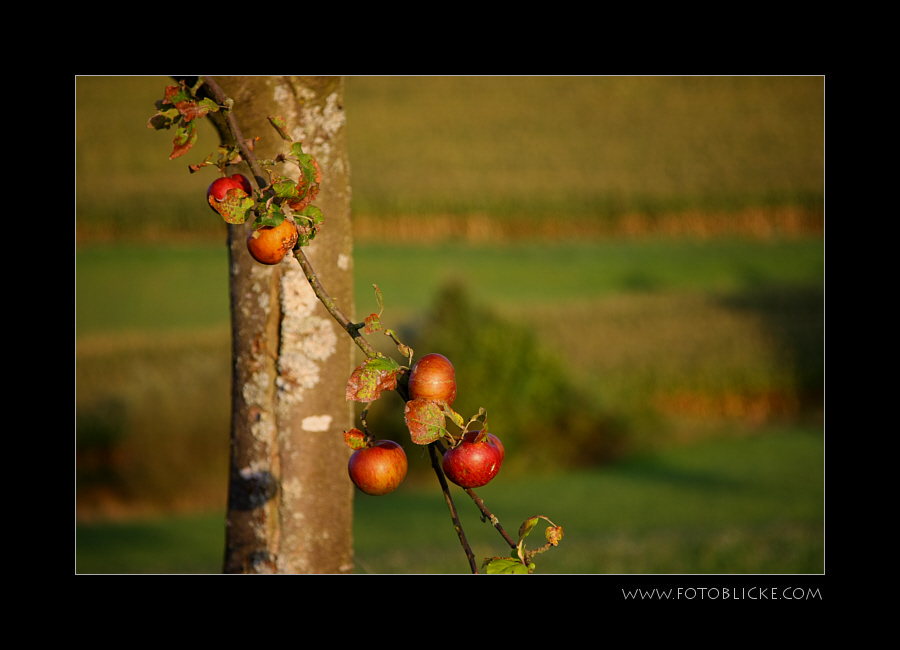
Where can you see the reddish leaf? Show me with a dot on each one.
(185, 137)
(554, 534)
(192, 110)
(355, 439)
(425, 421)
(176, 93)
(280, 125)
(370, 378)
(373, 323)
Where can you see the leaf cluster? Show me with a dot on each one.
(522, 562)
(426, 420)
(181, 108)
(283, 197)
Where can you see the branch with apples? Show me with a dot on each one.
(285, 221)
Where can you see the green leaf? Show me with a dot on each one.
(378, 298)
(272, 217)
(454, 416)
(164, 119)
(312, 213)
(307, 164)
(506, 565)
(209, 106)
(527, 526)
(285, 188)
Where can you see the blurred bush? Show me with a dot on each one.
(152, 417)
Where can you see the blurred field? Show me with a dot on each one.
(484, 157)
(583, 149)
(655, 244)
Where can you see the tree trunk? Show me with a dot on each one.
(290, 502)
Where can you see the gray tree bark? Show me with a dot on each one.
(290, 500)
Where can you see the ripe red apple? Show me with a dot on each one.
(269, 245)
(475, 461)
(379, 469)
(219, 188)
(433, 378)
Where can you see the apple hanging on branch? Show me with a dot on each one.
(376, 467)
(475, 460)
(219, 188)
(433, 378)
(270, 244)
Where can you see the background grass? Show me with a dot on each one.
(658, 239)
(745, 505)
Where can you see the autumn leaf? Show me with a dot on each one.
(355, 439)
(280, 125)
(234, 206)
(372, 377)
(425, 421)
(373, 323)
(553, 534)
(185, 137)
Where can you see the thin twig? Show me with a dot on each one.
(490, 517)
(239, 141)
(487, 514)
(436, 464)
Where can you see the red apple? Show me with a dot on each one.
(218, 189)
(433, 378)
(378, 469)
(475, 461)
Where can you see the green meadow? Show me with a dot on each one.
(627, 272)
(752, 505)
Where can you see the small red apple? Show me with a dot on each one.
(475, 461)
(218, 189)
(433, 378)
(378, 469)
